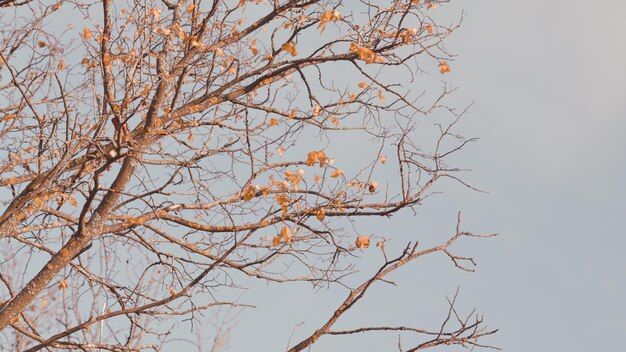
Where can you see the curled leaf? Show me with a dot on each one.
(285, 233)
(362, 242)
(87, 34)
(290, 47)
(336, 173)
(320, 214)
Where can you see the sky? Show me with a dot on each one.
(547, 80)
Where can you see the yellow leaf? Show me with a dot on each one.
(362, 242)
(336, 173)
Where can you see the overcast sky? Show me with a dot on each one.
(548, 79)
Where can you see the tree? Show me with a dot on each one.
(154, 152)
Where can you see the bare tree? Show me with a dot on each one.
(154, 152)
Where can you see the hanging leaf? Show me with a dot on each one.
(444, 68)
(285, 233)
(72, 200)
(290, 47)
(336, 173)
(320, 214)
(248, 193)
(87, 34)
(362, 242)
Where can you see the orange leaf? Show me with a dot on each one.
(290, 47)
(444, 68)
(248, 193)
(273, 122)
(320, 214)
(285, 233)
(362, 242)
(336, 173)
(62, 284)
(87, 33)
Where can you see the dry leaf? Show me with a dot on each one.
(290, 47)
(362, 242)
(285, 233)
(87, 34)
(336, 173)
(320, 214)
(72, 200)
(444, 68)
(248, 193)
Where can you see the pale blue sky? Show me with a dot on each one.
(549, 84)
